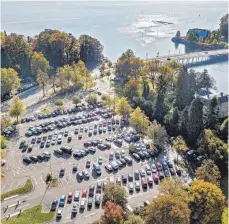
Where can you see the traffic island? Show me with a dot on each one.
(22, 190)
(34, 215)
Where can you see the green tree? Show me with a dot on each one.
(39, 62)
(158, 134)
(90, 49)
(91, 99)
(160, 107)
(123, 108)
(17, 108)
(183, 122)
(224, 129)
(212, 117)
(42, 79)
(223, 26)
(192, 37)
(9, 81)
(179, 145)
(112, 214)
(145, 92)
(166, 210)
(204, 80)
(213, 148)
(62, 77)
(132, 148)
(134, 219)
(183, 90)
(108, 100)
(116, 194)
(76, 100)
(15, 53)
(174, 187)
(206, 202)
(3, 142)
(195, 123)
(5, 122)
(59, 102)
(209, 172)
(172, 121)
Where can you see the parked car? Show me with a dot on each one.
(70, 196)
(74, 207)
(54, 205)
(97, 199)
(159, 166)
(62, 201)
(155, 177)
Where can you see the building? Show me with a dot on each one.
(200, 32)
(207, 95)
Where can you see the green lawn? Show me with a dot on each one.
(32, 216)
(22, 190)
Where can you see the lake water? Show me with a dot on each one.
(120, 25)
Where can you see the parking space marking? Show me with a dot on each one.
(35, 180)
(41, 177)
(18, 184)
(11, 185)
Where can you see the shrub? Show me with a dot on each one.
(3, 142)
(91, 99)
(76, 100)
(59, 102)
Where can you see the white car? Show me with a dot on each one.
(131, 186)
(75, 205)
(82, 204)
(59, 213)
(154, 168)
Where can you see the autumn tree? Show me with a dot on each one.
(116, 194)
(131, 89)
(112, 214)
(166, 210)
(9, 81)
(224, 130)
(152, 69)
(108, 100)
(39, 62)
(3, 142)
(5, 121)
(62, 80)
(174, 187)
(158, 134)
(213, 148)
(42, 79)
(209, 172)
(123, 108)
(139, 120)
(179, 145)
(17, 108)
(91, 99)
(206, 202)
(76, 100)
(204, 80)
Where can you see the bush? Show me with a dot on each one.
(132, 148)
(76, 100)
(48, 178)
(3, 142)
(91, 99)
(59, 102)
(22, 190)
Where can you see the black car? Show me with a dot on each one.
(99, 187)
(161, 175)
(172, 171)
(27, 160)
(118, 142)
(141, 154)
(124, 179)
(42, 145)
(90, 202)
(41, 157)
(34, 158)
(54, 205)
(22, 143)
(136, 156)
(178, 171)
(91, 190)
(170, 165)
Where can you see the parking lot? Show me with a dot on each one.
(81, 142)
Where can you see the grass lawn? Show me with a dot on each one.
(22, 190)
(32, 216)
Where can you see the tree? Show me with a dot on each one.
(192, 37)
(209, 172)
(213, 148)
(223, 26)
(175, 188)
(212, 117)
(61, 74)
(224, 129)
(183, 122)
(160, 107)
(42, 79)
(91, 99)
(59, 102)
(145, 92)
(76, 100)
(206, 202)
(90, 49)
(134, 219)
(123, 107)
(112, 214)
(172, 121)
(102, 68)
(17, 108)
(132, 148)
(158, 134)
(39, 62)
(179, 145)
(195, 123)
(166, 210)
(183, 90)
(116, 194)
(15, 53)
(138, 119)
(131, 89)
(5, 122)
(9, 81)
(3, 142)
(204, 80)
(108, 100)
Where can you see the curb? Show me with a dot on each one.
(11, 197)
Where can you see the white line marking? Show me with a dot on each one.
(11, 186)
(23, 206)
(35, 180)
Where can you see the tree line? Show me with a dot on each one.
(57, 48)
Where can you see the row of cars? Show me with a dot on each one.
(79, 200)
(45, 156)
(9, 131)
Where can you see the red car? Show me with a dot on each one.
(155, 177)
(84, 193)
(144, 182)
(159, 166)
(69, 197)
(87, 144)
